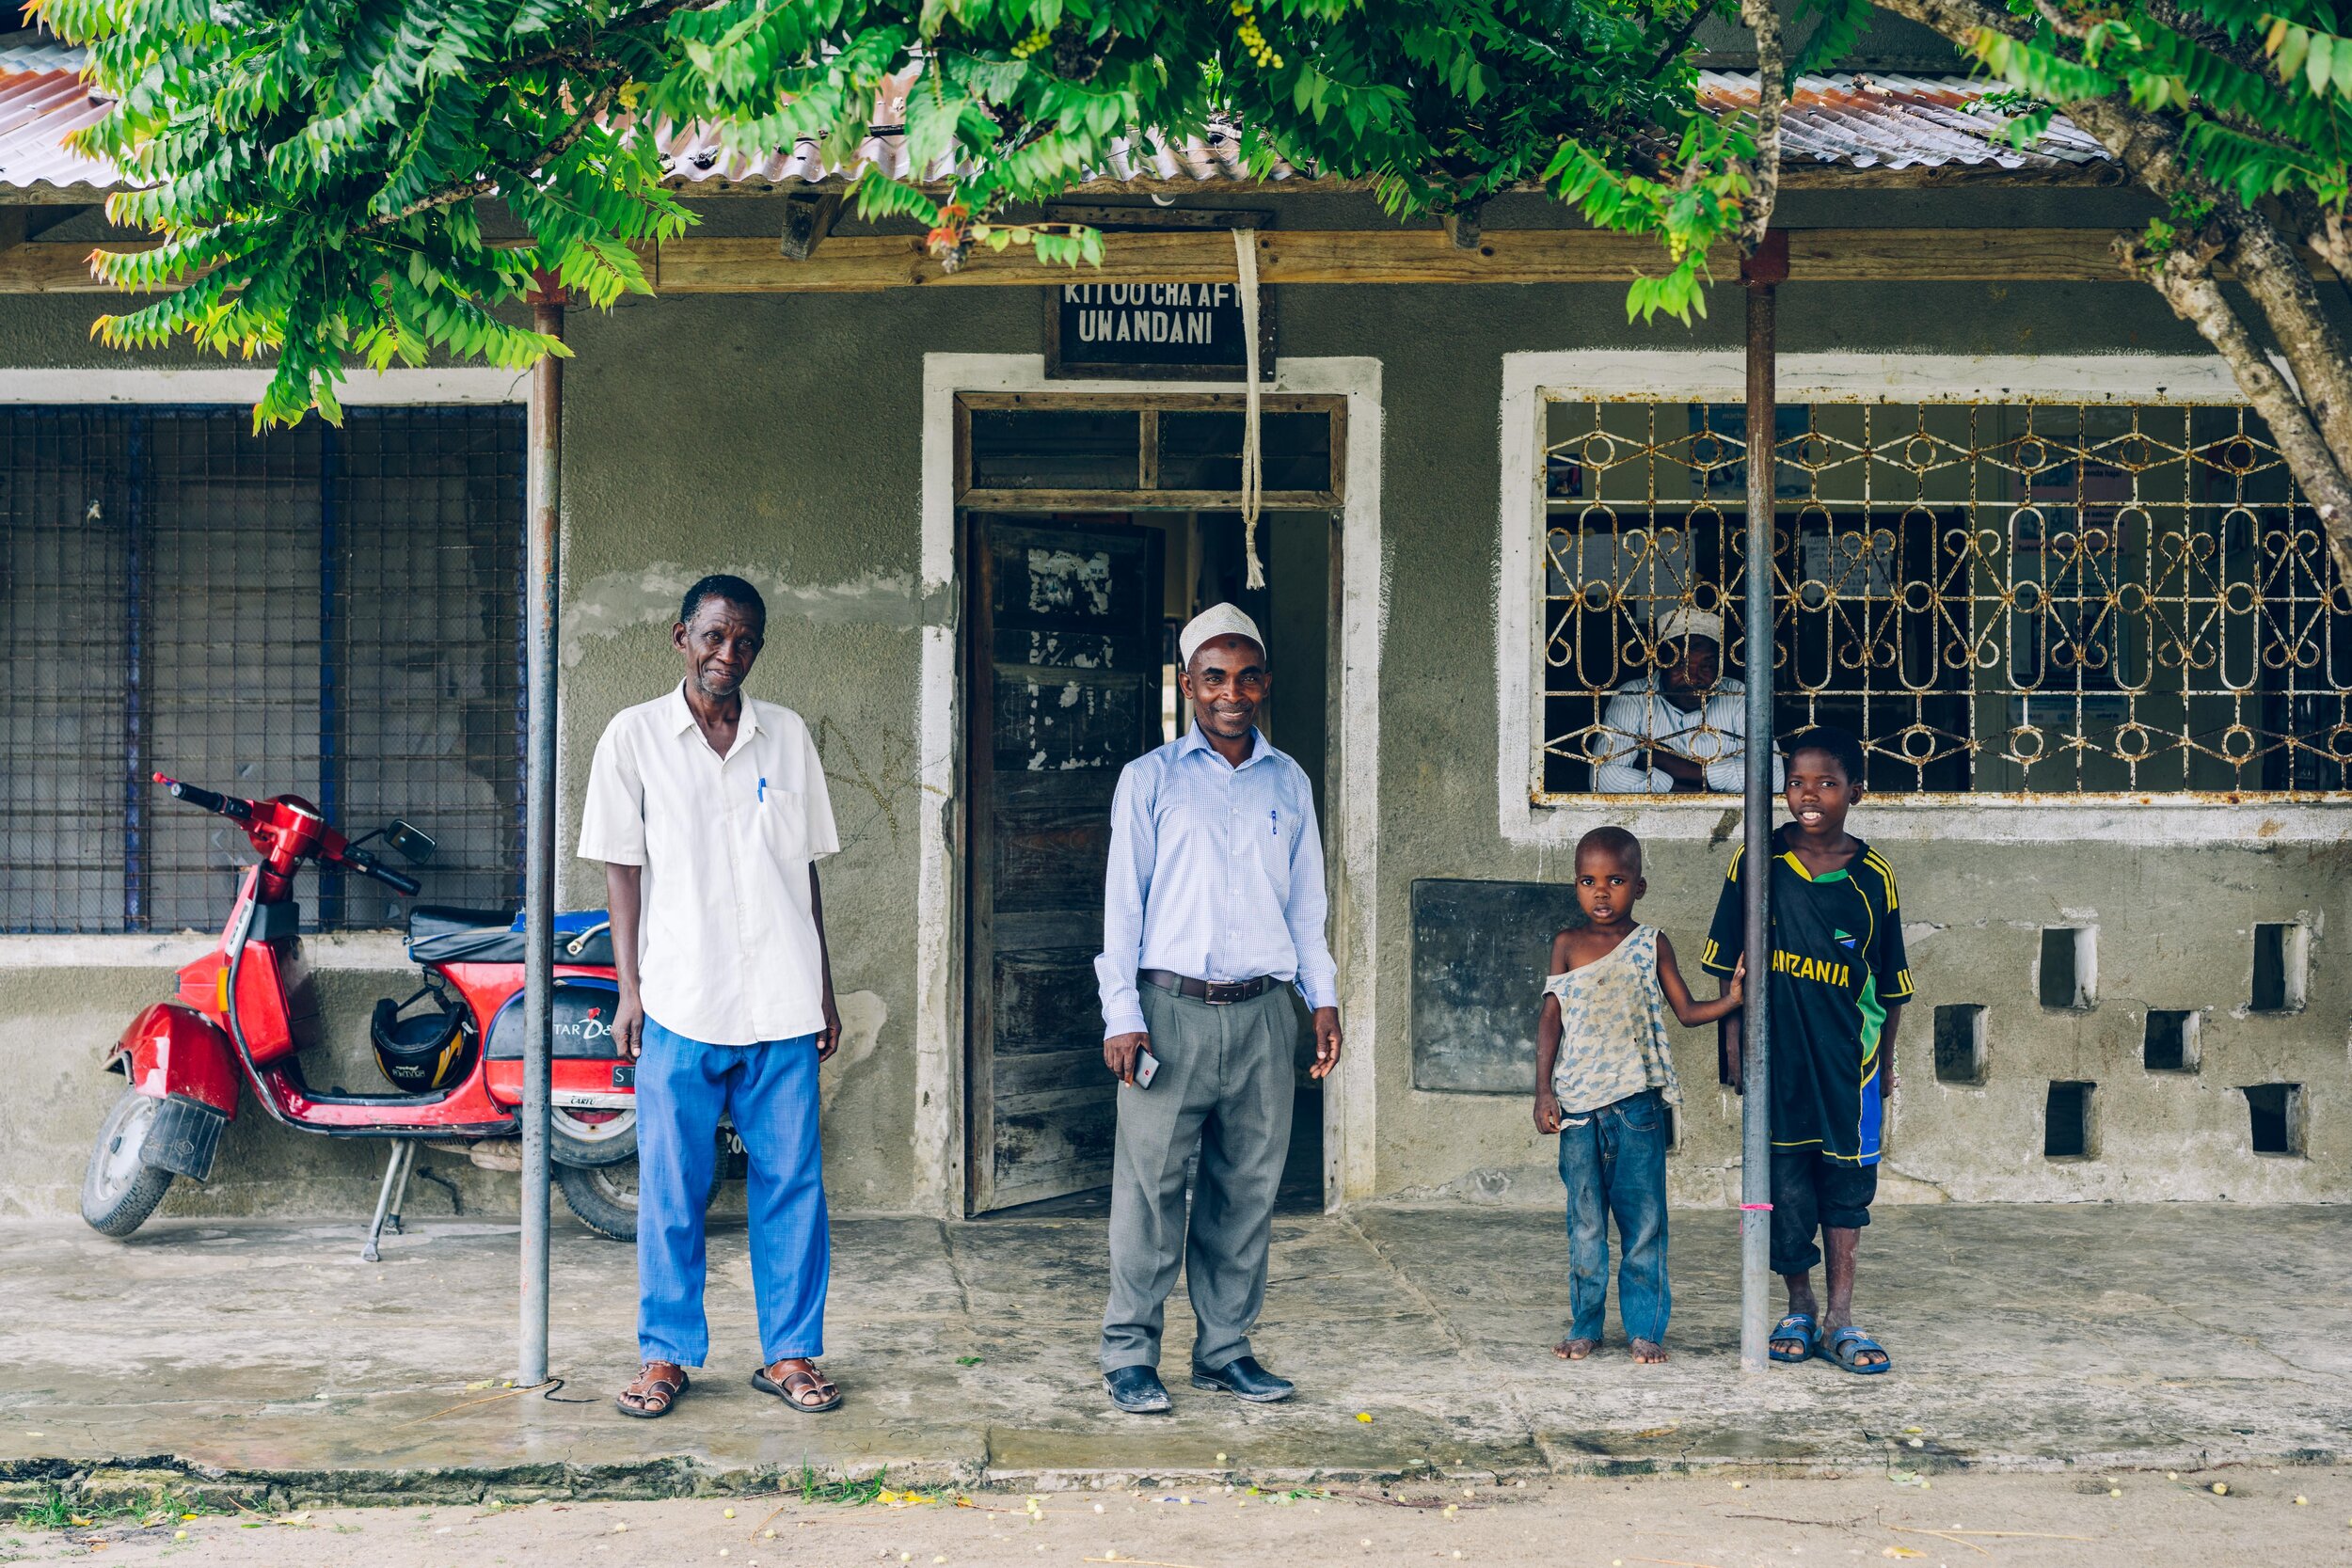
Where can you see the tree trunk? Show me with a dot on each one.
(1763, 18)
(2187, 282)
(2309, 408)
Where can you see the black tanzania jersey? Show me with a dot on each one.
(1837, 965)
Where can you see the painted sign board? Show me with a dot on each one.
(1155, 332)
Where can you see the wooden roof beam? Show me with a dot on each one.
(853, 263)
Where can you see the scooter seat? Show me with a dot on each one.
(439, 934)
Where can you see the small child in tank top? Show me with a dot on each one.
(1604, 1080)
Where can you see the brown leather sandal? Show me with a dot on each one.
(802, 1381)
(657, 1386)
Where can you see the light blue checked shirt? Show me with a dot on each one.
(1216, 872)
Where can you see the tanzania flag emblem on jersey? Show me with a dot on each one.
(1843, 940)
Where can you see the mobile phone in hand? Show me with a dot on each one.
(1147, 1067)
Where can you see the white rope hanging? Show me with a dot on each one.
(1252, 458)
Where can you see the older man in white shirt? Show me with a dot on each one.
(1681, 727)
(709, 811)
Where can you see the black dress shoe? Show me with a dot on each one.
(1243, 1379)
(1137, 1390)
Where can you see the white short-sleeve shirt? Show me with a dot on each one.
(728, 951)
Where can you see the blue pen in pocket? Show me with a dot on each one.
(763, 792)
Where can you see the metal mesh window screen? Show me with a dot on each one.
(318, 612)
(1996, 598)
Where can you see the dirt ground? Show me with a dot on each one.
(2296, 1515)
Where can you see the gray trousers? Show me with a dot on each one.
(1223, 1086)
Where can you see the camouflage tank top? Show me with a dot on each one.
(1612, 1029)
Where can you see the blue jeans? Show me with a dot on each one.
(1613, 1162)
(770, 1090)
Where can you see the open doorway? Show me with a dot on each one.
(1076, 585)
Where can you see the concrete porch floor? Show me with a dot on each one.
(265, 1354)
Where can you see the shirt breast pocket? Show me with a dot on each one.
(782, 818)
(1276, 831)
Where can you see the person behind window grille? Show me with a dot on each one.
(1680, 727)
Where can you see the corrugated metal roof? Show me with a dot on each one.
(1854, 121)
(42, 101)
(1857, 122)
(1867, 121)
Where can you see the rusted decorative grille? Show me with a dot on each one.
(1996, 598)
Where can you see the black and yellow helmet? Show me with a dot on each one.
(427, 1050)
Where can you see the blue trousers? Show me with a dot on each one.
(1613, 1162)
(770, 1091)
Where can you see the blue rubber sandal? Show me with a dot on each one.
(1796, 1325)
(1848, 1343)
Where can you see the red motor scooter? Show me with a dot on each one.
(246, 1012)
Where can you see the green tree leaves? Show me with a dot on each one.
(313, 167)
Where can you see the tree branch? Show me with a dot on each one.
(582, 56)
(1959, 20)
(2205, 36)
(2184, 278)
(2311, 419)
(2059, 21)
(1679, 42)
(2265, 264)
(484, 184)
(1772, 71)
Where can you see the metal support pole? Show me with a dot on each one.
(543, 473)
(1761, 273)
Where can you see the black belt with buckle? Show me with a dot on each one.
(1217, 994)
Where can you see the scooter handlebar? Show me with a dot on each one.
(242, 811)
(368, 865)
(205, 800)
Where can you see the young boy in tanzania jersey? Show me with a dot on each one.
(1838, 978)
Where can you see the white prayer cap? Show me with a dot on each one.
(1682, 621)
(1218, 620)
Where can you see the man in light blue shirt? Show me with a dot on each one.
(1214, 902)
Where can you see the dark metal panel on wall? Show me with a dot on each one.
(1480, 954)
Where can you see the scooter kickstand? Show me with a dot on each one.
(397, 1166)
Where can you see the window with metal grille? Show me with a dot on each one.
(2028, 598)
(323, 613)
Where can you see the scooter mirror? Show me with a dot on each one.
(415, 845)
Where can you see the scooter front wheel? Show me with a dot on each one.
(604, 1197)
(119, 1189)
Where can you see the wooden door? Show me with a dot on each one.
(1062, 637)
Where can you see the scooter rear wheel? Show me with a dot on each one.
(591, 1137)
(118, 1191)
(604, 1197)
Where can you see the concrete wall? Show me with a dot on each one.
(780, 437)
